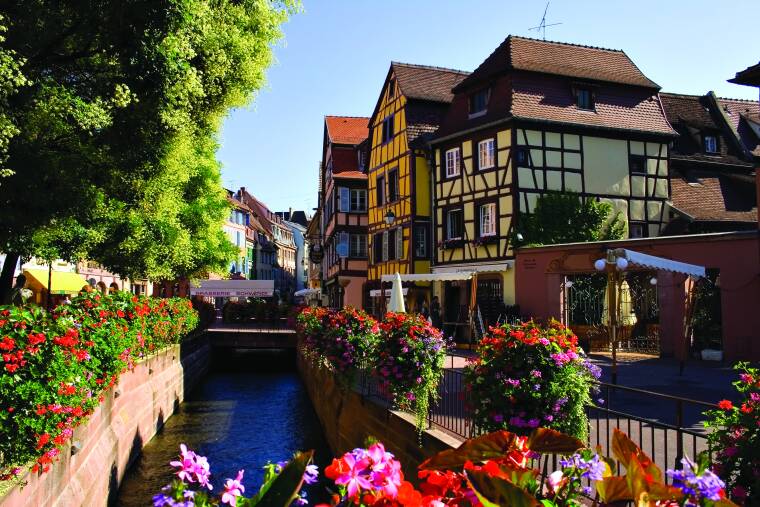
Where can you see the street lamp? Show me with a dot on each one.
(612, 264)
(390, 217)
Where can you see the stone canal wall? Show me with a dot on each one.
(131, 413)
(347, 419)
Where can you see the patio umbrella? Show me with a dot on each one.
(396, 303)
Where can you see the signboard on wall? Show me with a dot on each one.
(233, 288)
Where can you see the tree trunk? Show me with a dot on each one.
(6, 276)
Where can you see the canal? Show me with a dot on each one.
(252, 408)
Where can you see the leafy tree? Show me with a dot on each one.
(108, 121)
(564, 217)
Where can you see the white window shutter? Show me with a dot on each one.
(385, 245)
(400, 243)
(344, 199)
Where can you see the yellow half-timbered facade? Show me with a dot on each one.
(412, 102)
(535, 117)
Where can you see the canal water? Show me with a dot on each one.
(252, 408)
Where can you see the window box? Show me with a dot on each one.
(450, 243)
(484, 240)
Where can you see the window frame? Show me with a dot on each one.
(714, 137)
(424, 243)
(492, 142)
(494, 219)
(362, 194)
(643, 171)
(393, 184)
(523, 151)
(388, 129)
(637, 223)
(582, 91)
(456, 150)
(449, 212)
(380, 190)
(360, 241)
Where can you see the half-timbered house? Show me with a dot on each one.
(343, 210)
(539, 116)
(412, 103)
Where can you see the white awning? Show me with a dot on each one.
(307, 292)
(660, 263)
(493, 267)
(233, 288)
(375, 293)
(430, 277)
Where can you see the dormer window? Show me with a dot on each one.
(584, 99)
(479, 102)
(710, 144)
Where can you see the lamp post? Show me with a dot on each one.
(613, 265)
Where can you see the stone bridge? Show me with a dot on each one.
(251, 336)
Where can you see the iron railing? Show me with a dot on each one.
(664, 426)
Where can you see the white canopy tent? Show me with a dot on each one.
(660, 263)
(307, 292)
(233, 288)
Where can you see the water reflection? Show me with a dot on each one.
(252, 409)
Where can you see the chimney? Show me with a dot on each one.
(290, 213)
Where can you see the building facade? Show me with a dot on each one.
(343, 210)
(236, 228)
(413, 101)
(537, 117)
(301, 264)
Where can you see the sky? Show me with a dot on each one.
(336, 53)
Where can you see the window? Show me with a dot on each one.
(420, 241)
(452, 162)
(521, 156)
(636, 230)
(385, 246)
(479, 102)
(343, 199)
(387, 129)
(584, 99)
(377, 247)
(400, 243)
(637, 164)
(488, 219)
(380, 189)
(391, 88)
(393, 185)
(392, 250)
(358, 200)
(358, 245)
(486, 154)
(454, 224)
(711, 144)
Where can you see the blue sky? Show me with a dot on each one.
(336, 53)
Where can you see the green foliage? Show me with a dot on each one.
(734, 436)
(108, 121)
(526, 376)
(55, 366)
(564, 217)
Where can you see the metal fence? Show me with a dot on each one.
(665, 427)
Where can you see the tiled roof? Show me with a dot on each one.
(738, 112)
(715, 198)
(423, 119)
(350, 175)
(548, 98)
(423, 82)
(559, 58)
(347, 129)
(693, 116)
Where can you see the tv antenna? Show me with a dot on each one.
(541, 28)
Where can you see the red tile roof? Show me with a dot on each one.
(739, 114)
(563, 59)
(713, 199)
(352, 175)
(424, 82)
(548, 98)
(347, 129)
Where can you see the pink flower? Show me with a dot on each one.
(192, 467)
(353, 478)
(554, 481)
(233, 488)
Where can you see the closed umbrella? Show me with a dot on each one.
(396, 303)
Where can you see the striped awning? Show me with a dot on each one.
(660, 263)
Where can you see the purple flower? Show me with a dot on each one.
(311, 474)
(233, 488)
(706, 485)
(592, 469)
(498, 418)
(513, 382)
(533, 423)
(543, 341)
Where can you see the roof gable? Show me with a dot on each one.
(347, 129)
(562, 59)
(424, 82)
